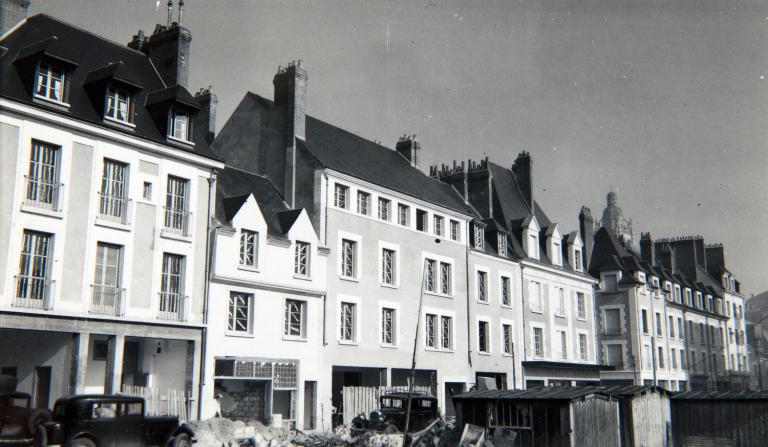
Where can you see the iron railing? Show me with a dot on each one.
(114, 209)
(172, 306)
(33, 292)
(42, 194)
(107, 300)
(176, 221)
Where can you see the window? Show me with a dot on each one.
(421, 220)
(445, 278)
(691, 333)
(673, 358)
(557, 254)
(107, 293)
(454, 230)
(583, 347)
(348, 258)
(682, 359)
(249, 244)
(680, 328)
(671, 328)
(438, 224)
(506, 330)
(482, 286)
(388, 266)
(505, 285)
(43, 177)
(430, 332)
(295, 318)
(611, 283)
(301, 258)
(560, 302)
(100, 350)
(615, 355)
(702, 334)
(172, 301)
(535, 296)
(113, 200)
(446, 332)
(429, 275)
(533, 246)
(613, 321)
(176, 215)
(483, 337)
(32, 283)
(146, 191)
(501, 244)
(563, 345)
(384, 209)
(118, 104)
(50, 82)
(363, 203)
(538, 342)
(577, 260)
(348, 323)
(179, 125)
(430, 278)
(644, 320)
(341, 193)
(660, 356)
(388, 326)
(658, 324)
(581, 306)
(403, 215)
(478, 239)
(239, 315)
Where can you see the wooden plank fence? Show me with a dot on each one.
(364, 399)
(159, 402)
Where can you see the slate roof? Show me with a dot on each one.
(720, 395)
(92, 57)
(233, 189)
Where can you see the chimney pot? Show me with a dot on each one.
(410, 149)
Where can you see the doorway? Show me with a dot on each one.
(42, 386)
(310, 397)
(452, 389)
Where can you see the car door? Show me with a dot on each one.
(129, 427)
(101, 423)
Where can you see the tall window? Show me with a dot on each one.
(171, 287)
(239, 315)
(388, 326)
(176, 216)
(506, 330)
(479, 236)
(446, 332)
(43, 178)
(301, 258)
(563, 345)
(437, 281)
(107, 293)
(363, 203)
(403, 215)
(533, 242)
(671, 328)
(249, 248)
(535, 296)
(32, 283)
(691, 332)
(445, 278)
(113, 203)
(658, 324)
(501, 244)
(505, 292)
(581, 306)
(557, 254)
(538, 342)
(673, 358)
(384, 209)
(50, 82)
(431, 330)
(348, 258)
(680, 333)
(660, 356)
(615, 355)
(577, 260)
(482, 286)
(644, 320)
(583, 347)
(295, 318)
(179, 128)
(388, 266)
(454, 230)
(341, 196)
(438, 222)
(118, 104)
(560, 301)
(429, 275)
(421, 220)
(483, 336)
(348, 323)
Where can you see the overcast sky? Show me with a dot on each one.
(665, 101)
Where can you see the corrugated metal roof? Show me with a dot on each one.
(721, 395)
(559, 393)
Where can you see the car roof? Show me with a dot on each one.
(100, 398)
(404, 395)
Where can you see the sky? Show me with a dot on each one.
(663, 101)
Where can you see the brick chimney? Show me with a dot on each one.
(206, 118)
(587, 233)
(168, 49)
(291, 91)
(11, 13)
(715, 256)
(523, 169)
(647, 249)
(409, 148)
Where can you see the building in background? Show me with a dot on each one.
(106, 183)
(756, 315)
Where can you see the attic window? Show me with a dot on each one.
(179, 125)
(479, 237)
(557, 254)
(421, 220)
(502, 244)
(118, 105)
(533, 246)
(50, 82)
(577, 260)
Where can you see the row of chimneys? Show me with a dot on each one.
(682, 253)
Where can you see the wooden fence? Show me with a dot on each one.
(161, 402)
(364, 399)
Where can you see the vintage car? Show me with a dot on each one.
(390, 417)
(20, 424)
(113, 421)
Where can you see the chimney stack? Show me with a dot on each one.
(409, 148)
(523, 169)
(647, 249)
(206, 118)
(168, 49)
(11, 13)
(291, 91)
(587, 233)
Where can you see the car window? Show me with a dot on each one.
(59, 410)
(131, 409)
(389, 402)
(426, 404)
(18, 402)
(104, 410)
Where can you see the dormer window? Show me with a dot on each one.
(577, 260)
(557, 254)
(479, 236)
(502, 244)
(50, 82)
(533, 246)
(179, 126)
(699, 300)
(118, 105)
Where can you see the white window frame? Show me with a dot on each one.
(505, 278)
(245, 251)
(403, 215)
(439, 329)
(395, 274)
(117, 101)
(303, 319)
(542, 342)
(342, 271)
(482, 285)
(53, 79)
(480, 321)
(341, 196)
(583, 353)
(455, 230)
(440, 287)
(507, 341)
(385, 209)
(540, 296)
(356, 301)
(581, 316)
(438, 224)
(561, 309)
(181, 132)
(364, 203)
(395, 324)
(305, 249)
(562, 338)
(232, 317)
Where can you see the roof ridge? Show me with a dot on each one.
(264, 177)
(90, 33)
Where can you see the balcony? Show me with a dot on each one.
(612, 331)
(33, 292)
(114, 209)
(172, 307)
(176, 222)
(107, 300)
(42, 194)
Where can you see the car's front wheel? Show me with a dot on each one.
(180, 440)
(81, 442)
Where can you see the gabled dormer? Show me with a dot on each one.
(554, 245)
(246, 220)
(575, 251)
(530, 237)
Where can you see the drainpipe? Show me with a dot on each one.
(522, 316)
(469, 324)
(206, 292)
(654, 331)
(688, 364)
(324, 210)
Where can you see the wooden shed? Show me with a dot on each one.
(644, 412)
(729, 418)
(556, 416)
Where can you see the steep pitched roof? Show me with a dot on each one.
(233, 189)
(90, 57)
(509, 199)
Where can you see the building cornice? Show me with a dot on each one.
(228, 280)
